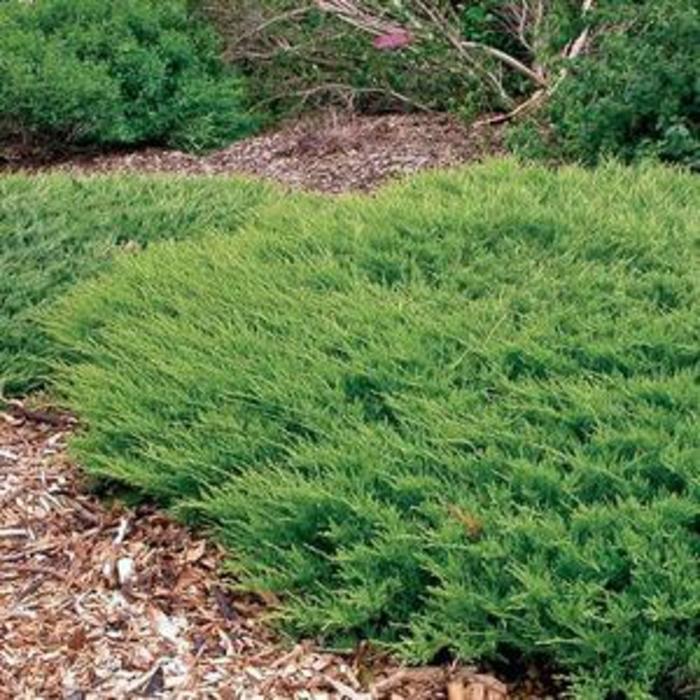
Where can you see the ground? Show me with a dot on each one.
(329, 152)
(98, 600)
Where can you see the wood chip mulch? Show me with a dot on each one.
(330, 152)
(104, 601)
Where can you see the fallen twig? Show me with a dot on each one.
(19, 410)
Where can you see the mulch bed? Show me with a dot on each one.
(329, 152)
(105, 601)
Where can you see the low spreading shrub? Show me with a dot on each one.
(56, 229)
(108, 72)
(458, 417)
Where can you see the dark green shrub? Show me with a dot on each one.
(56, 229)
(459, 416)
(636, 95)
(110, 72)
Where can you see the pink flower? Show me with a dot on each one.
(396, 39)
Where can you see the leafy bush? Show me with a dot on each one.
(111, 72)
(637, 94)
(428, 418)
(57, 229)
(632, 77)
(299, 56)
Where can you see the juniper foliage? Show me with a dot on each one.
(460, 416)
(57, 229)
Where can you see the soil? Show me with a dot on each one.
(330, 152)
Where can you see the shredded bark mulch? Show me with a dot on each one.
(106, 601)
(330, 152)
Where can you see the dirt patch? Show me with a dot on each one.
(329, 152)
(101, 601)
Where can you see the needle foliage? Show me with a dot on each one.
(458, 417)
(57, 229)
(105, 73)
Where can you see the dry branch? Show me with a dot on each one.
(370, 19)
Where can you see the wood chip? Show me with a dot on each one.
(331, 152)
(123, 602)
(455, 690)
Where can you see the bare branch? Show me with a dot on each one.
(347, 92)
(576, 47)
(366, 21)
(509, 60)
(525, 107)
(284, 17)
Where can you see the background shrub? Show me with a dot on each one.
(428, 418)
(636, 94)
(110, 72)
(56, 229)
(299, 57)
(632, 91)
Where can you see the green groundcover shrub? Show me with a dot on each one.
(57, 229)
(114, 72)
(458, 417)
